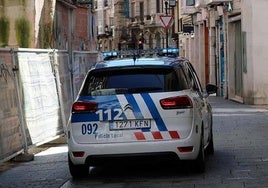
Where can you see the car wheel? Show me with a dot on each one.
(78, 171)
(199, 163)
(210, 147)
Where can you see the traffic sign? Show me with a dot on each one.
(166, 20)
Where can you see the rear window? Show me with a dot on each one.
(135, 80)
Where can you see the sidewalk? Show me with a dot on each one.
(219, 102)
(50, 167)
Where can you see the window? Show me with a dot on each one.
(95, 5)
(135, 80)
(141, 11)
(190, 2)
(132, 10)
(158, 40)
(193, 78)
(147, 8)
(157, 6)
(127, 9)
(105, 3)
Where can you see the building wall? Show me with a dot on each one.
(46, 24)
(75, 27)
(255, 36)
(63, 26)
(45, 11)
(31, 25)
(237, 36)
(81, 17)
(13, 11)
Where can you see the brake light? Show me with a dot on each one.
(78, 153)
(84, 106)
(178, 102)
(185, 149)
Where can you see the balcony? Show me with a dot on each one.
(87, 2)
(155, 20)
(216, 2)
(147, 19)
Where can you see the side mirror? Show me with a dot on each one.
(210, 88)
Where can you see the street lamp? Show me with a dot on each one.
(166, 7)
(171, 3)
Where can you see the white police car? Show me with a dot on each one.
(149, 107)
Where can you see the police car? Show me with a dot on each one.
(133, 107)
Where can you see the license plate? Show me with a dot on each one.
(130, 124)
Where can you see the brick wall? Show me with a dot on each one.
(81, 28)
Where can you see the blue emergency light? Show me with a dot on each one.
(125, 53)
(170, 50)
(110, 54)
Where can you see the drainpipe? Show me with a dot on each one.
(226, 72)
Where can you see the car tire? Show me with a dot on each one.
(78, 171)
(200, 163)
(210, 147)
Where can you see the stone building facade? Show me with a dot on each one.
(224, 39)
(228, 46)
(123, 24)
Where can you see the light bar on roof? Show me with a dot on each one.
(170, 50)
(110, 54)
(161, 51)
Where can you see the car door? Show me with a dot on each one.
(202, 104)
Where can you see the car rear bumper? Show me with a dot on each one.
(95, 154)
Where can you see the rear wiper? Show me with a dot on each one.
(121, 90)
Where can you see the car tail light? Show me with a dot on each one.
(185, 149)
(84, 106)
(178, 102)
(78, 153)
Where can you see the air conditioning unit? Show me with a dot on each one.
(216, 2)
(187, 7)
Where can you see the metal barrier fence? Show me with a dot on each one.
(37, 90)
(81, 63)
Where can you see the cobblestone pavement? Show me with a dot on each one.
(240, 159)
(48, 169)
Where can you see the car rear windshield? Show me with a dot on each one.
(134, 80)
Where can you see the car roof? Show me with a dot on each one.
(142, 61)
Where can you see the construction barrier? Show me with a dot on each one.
(11, 143)
(38, 89)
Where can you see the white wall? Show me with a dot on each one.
(254, 25)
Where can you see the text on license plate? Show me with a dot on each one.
(130, 124)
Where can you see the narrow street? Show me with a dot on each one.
(240, 160)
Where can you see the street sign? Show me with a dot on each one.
(166, 20)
